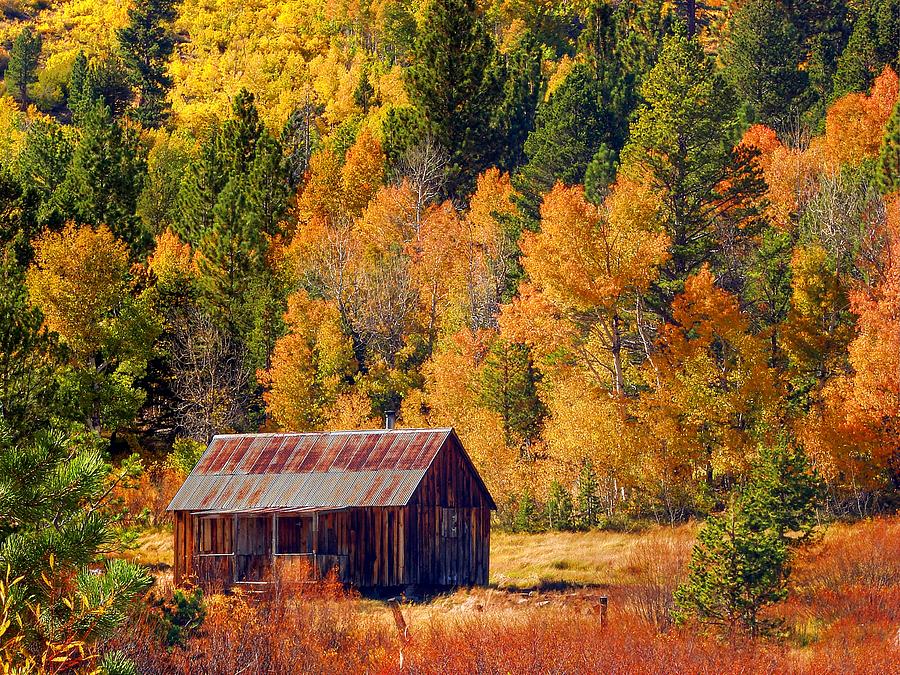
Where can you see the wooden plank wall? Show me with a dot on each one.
(442, 538)
(451, 544)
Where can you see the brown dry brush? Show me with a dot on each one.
(842, 617)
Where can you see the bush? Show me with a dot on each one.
(186, 452)
(181, 616)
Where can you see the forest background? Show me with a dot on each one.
(618, 245)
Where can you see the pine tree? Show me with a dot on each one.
(873, 44)
(27, 357)
(559, 507)
(509, 387)
(761, 57)
(453, 84)
(106, 176)
(235, 195)
(520, 75)
(741, 562)
(585, 121)
(682, 146)
(101, 81)
(23, 62)
(55, 520)
(588, 497)
(569, 130)
(889, 157)
(146, 44)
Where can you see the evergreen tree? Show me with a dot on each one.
(682, 144)
(453, 84)
(559, 507)
(233, 254)
(526, 513)
(521, 78)
(585, 121)
(741, 562)
(23, 62)
(761, 56)
(146, 43)
(824, 30)
(588, 497)
(18, 216)
(27, 357)
(364, 92)
(889, 157)
(569, 130)
(102, 81)
(108, 168)
(509, 388)
(55, 520)
(873, 44)
(234, 196)
(43, 165)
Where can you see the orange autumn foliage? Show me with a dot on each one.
(310, 365)
(866, 403)
(586, 264)
(792, 174)
(855, 123)
(78, 275)
(172, 260)
(711, 380)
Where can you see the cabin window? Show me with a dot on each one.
(449, 523)
(215, 535)
(294, 535)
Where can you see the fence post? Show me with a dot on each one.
(402, 627)
(601, 608)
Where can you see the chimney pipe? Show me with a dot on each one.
(390, 419)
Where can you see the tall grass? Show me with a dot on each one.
(842, 617)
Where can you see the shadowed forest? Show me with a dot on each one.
(644, 257)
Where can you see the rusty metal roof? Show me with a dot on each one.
(311, 471)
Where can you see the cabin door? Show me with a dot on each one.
(252, 548)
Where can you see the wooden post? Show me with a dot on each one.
(315, 536)
(402, 628)
(604, 605)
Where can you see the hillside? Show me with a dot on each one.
(644, 257)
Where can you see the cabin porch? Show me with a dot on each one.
(254, 549)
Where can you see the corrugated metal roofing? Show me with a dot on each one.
(312, 471)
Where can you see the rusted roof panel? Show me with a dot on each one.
(309, 471)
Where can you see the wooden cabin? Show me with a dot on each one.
(384, 508)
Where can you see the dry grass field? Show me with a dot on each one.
(539, 616)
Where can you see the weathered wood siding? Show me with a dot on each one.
(442, 538)
(452, 534)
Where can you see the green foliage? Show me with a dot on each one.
(186, 453)
(106, 176)
(588, 496)
(873, 44)
(569, 130)
(116, 663)
(514, 117)
(681, 145)
(146, 44)
(527, 514)
(23, 63)
(741, 561)
(234, 196)
(761, 58)
(453, 84)
(28, 355)
(102, 81)
(560, 510)
(889, 157)
(181, 616)
(509, 388)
